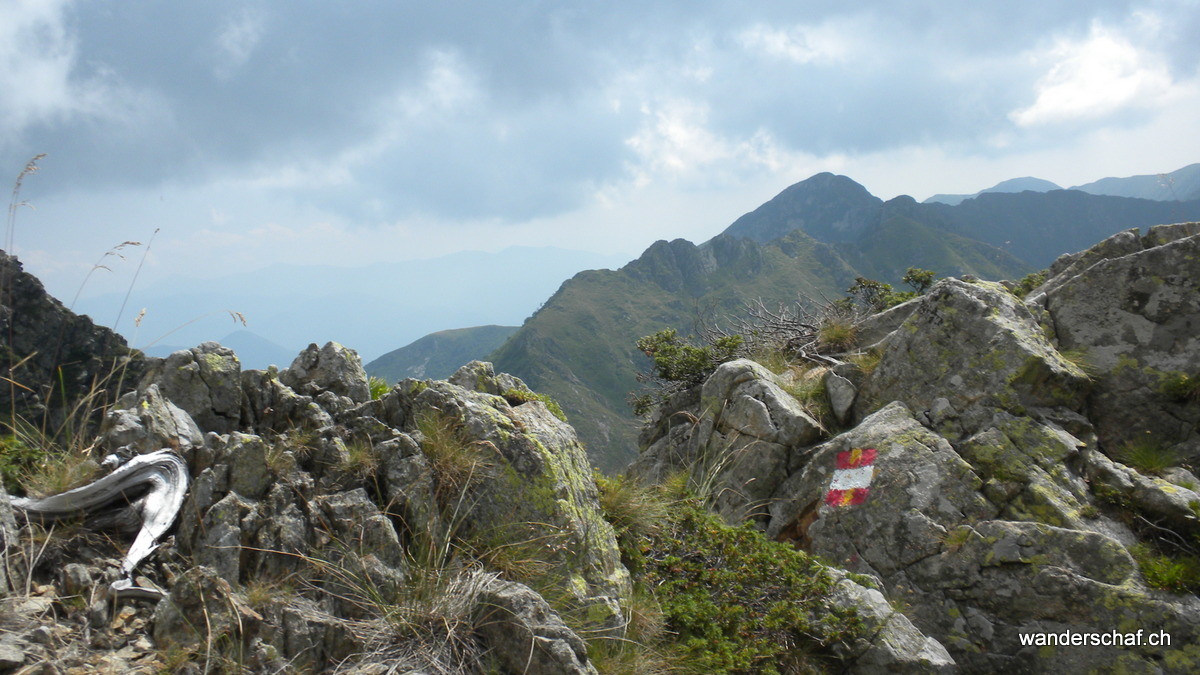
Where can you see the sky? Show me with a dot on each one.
(233, 135)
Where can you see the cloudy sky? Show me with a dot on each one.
(347, 133)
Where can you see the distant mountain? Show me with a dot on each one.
(813, 239)
(579, 347)
(828, 207)
(370, 308)
(253, 350)
(1181, 185)
(1010, 185)
(1037, 228)
(437, 355)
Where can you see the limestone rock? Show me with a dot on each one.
(526, 478)
(1136, 320)
(332, 368)
(148, 423)
(201, 609)
(739, 434)
(891, 643)
(204, 381)
(525, 635)
(980, 348)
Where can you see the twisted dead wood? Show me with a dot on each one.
(152, 485)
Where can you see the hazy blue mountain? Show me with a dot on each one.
(1039, 227)
(1180, 185)
(1010, 185)
(253, 350)
(372, 308)
(437, 355)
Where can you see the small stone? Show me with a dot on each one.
(43, 635)
(11, 656)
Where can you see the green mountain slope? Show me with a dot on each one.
(812, 239)
(579, 347)
(437, 355)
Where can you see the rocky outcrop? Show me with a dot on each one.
(980, 479)
(52, 358)
(1131, 308)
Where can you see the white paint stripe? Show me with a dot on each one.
(846, 479)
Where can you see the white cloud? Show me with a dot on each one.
(799, 44)
(1096, 77)
(237, 40)
(37, 57)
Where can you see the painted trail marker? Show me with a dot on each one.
(852, 477)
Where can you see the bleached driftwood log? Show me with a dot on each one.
(152, 486)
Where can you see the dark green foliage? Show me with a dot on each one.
(919, 279)
(1177, 573)
(1149, 456)
(737, 602)
(1029, 282)
(16, 459)
(878, 296)
(517, 397)
(1180, 387)
(678, 361)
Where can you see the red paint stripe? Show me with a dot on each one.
(851, 497)
(856, 458)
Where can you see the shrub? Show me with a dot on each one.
(1180, 387)
(677, 361)
(1178, 573)
(1149, 456)
(378, 386)
(1029, 282)
(837, 334)
(518, 396)
(737, 602)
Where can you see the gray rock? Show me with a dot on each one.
(202, 609)
(8, 539)
(269, 406)
(518, 474)
(148, 422)
(11, 656)
(978, 347)
(891, 643)
(1136, 319)
(204, 381)
(841, 393)
(525, 635)
(332, 367)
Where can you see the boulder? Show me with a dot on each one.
(523, 634)
(736, 437)
(204, 381)
(514, 475)
(1135, 318)
(148, 422)
(978, 347)
(331, 368)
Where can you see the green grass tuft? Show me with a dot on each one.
(378, 387)
(1149, 456)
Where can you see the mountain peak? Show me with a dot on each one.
(829, 207)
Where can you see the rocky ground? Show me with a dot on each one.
(967, 473)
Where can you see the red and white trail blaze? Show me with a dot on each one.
(852, 478)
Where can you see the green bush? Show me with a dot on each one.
(1029, 282)
(1178, 573)
(1149, 456)
(1180, 387)
(735, 602)
(378, 387)
(677, 361)
(17, 459)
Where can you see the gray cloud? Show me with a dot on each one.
(342, 103)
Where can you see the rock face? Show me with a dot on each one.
(52, 356)
(1131, 307)
(979, 475)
